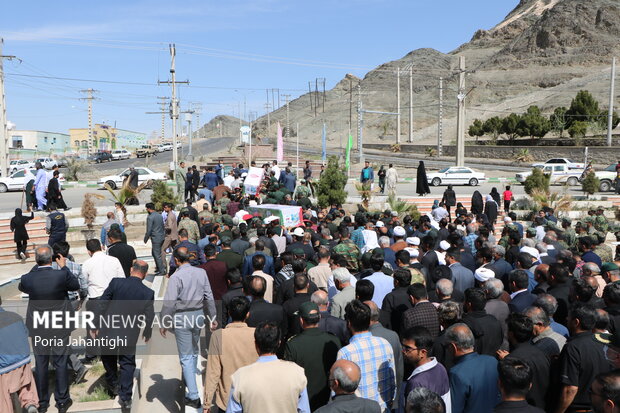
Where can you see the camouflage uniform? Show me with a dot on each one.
(605, 252)
(193, 233)
(601, 224)
(223, 203)
(303, 191)
(206, 214)
(350, 252)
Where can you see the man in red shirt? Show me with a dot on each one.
(508, 197)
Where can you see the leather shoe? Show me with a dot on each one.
(193, 403)
(79, 375)
(62, 408)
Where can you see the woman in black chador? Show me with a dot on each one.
(421, 182)
(477, 205)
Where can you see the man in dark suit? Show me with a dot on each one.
(155, 232)
(521, 298)
(261, 310)
(48, 291)
(329, 323)
(132, 300)
(487, 329)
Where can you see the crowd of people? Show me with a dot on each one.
(362, 312)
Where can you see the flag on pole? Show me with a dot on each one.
(348, 154)
(324, 153)
(280, 144)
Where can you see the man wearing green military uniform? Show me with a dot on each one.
(569, 236)
(179, 177)
(302, 190)
(315, 351)
(602, 250)
(348, 250)
(600, 222)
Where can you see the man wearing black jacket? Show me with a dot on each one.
(48, 291)
(486, 328)
(261, 310)
(130, 299)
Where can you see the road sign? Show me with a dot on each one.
(245, 134)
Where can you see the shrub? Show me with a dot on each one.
(330, 188)
(537, 180)
(590, 183)
(162, 194)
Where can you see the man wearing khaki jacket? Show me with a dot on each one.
(230, 349)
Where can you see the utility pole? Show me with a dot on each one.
(90, 99)
(398, 105)
(4, 133)
(267, 108)
(188, 119)
(288, 126)
(163, 102)
(197, 108)
(460, 116)
(310, 96)
(440, 120)
(610, 119)
(411, 104)
(360, 121)
(174, 105)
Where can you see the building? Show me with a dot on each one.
(106, 138)
(40, 141)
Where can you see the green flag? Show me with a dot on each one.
(348, 155)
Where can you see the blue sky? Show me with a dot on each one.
(230, 50)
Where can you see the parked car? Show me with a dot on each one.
(160, 148)
(144, 175)
(561, 174)
(120, 154)
(48, 163)
(15, 181)
(607, 177)
(19, 164)
(100, 157)
(146, 150)
(456, 175)
(64, 161)
(167, 146)
(563, 161)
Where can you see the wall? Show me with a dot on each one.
(52, 141)
(599, 155)
(28, 139)
(129, 140)
(106, 138)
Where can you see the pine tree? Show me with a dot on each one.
(590, 184)
(330, 188)
(537, 180)
(163, 194)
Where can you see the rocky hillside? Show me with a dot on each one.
(222, 125)
(542, 53)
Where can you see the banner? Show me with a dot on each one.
(347, 161)
(324, 153)
(289, 216)
(280, 149)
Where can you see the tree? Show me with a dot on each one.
(537, 180)
(559, 121)
(163, 194)
(476, 129)
(330, 189)
(578, 129)
(590, 184)
(583, 108)
(493, 127)
(533, 124)
(74, 168)
(510, 126)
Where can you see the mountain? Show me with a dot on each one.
(221, 125)
(542, 53)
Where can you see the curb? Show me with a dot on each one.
(94, 184)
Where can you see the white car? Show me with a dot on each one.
(560, 174)
(15, 182)
(607, 178)
(166, 146)
(144, 175)
(161, 148)
(48, 163)
(456, 175)
(120, 154)
(561, 161)
(18, 164)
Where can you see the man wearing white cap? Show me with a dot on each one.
(298, 236)
(483, 275)
(441, 252)
(399, 239)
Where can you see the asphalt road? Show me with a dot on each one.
(202, 147)
(412, 160)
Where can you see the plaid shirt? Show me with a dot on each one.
(357, 237)
(469, 240)
(375, 358)
(423, 314)
(76, 270)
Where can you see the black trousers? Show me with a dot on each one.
(59, 354)
(21, 246)
(127, 364)
(506, 205)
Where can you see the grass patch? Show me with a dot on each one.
(98, 394)
(97, 369)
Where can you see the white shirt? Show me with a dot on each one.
(229, 180)
(384, 284)
(276, 171)
(99, 271)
